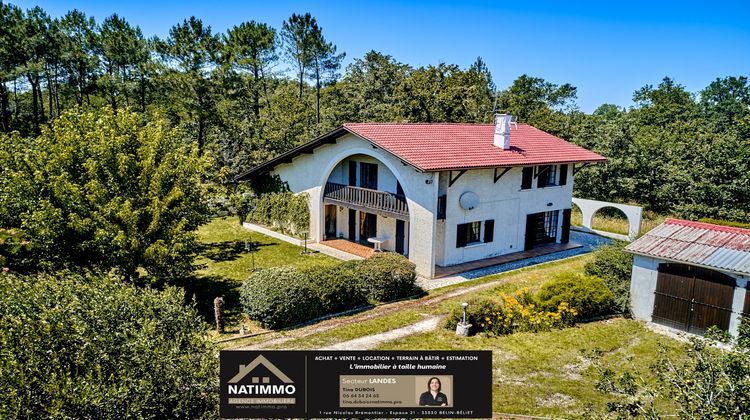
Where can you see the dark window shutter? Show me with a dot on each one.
(531, 227)
(563, 174)
(565, 237)
(461, 231)
(528, 176)
(489, 230)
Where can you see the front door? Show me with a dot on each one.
(330, 222)
(692, 298)
(368, 226)
(352, 225)
(400, 225)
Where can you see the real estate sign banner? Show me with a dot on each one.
(383, 384)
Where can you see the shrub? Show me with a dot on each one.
(388, 276)
(587, 294)
(615, 267)
(477, 310)
(338, 287)
(93, 346)
(516, 312)
(279, 297)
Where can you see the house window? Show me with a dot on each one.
(527, 178)
(550, 224)
(546, 176)
(441, 207)
(468, 233)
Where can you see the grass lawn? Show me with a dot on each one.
(615, 221)
(531, 277)
(542, 374)
(225, 263)
(545, 374)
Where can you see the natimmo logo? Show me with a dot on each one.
(253, 387)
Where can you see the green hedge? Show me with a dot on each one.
(284, 296)
(280, 297)
(339, 287)
(92, 346)
(615, 267)
(285, 211)
(388, 276)
(587, 294)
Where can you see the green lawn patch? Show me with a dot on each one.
(545, 374)
(224, 263)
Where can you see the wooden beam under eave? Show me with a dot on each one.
(451, 179)
(577, 169)
(497, 177)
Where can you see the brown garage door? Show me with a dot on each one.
(692, 298)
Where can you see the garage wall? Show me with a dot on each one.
(643, 286)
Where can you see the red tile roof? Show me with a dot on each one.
(433, 147)
(704, 244)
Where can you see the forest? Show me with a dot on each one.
(257, 90)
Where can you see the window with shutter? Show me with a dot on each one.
(468, 233)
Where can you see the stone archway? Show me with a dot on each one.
(590, 207)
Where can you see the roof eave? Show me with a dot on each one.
(710, 267)
(562, 162)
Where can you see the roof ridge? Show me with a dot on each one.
(709, 226)
(423, 123)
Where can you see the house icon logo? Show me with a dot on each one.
(262, 384)
(245, 370)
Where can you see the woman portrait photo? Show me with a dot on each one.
(433, 396)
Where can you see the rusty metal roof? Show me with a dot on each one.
(705, 244)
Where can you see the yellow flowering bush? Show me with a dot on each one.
(516, 312)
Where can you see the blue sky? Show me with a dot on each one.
(607, 49)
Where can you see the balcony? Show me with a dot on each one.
(364, 199)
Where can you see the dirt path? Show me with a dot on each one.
(369, 341)
(283, 337)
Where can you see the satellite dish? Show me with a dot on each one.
(468, 200)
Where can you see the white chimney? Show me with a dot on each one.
(502, 131)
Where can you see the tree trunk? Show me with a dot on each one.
(42, 114)
(50, 99)
(256, 93)
(125, 86)
(317, 96)
(112, 98)
(15, 99)
(201, 128)
(4, 107)
(301, 79)
(34, 102)
(143, 91)
(265, 89)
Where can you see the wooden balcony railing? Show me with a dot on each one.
(367, 199)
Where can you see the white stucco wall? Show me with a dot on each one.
(308, 173)
(505, 202)
(643, 286)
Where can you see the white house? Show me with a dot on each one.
(442, 194)
(691, 275)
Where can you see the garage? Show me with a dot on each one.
(689, 276)
(692, 298)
